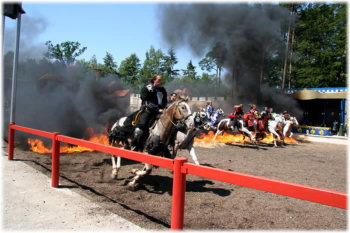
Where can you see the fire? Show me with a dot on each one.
(38, 146)
(236, 138)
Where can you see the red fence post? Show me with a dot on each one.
(55, 170)
(11, 141)
(179, 189)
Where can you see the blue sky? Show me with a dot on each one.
(119, 28)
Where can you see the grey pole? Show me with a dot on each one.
(2, 44)
(15, 65)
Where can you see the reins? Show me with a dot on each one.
(182, 120)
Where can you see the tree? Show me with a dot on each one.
(109, 67)
(190, 72)
(129, 71)
(152, 65)
(169, 61)
(321, 46)
(213, 61)
(286, 59)
(67, 51)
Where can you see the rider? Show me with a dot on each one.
(154, 100)
(210, 109)
(264, 111)
(254, 116)
(215, 117)
(236, 115)
(286, 115)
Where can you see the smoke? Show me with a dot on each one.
(69, 104)
(31, 28)
(51, 96)
(237, 34)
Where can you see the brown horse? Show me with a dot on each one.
(157, 142)
(262, 126)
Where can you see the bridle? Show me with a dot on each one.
(180, 121)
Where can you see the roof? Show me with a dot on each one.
(111, 83)
(313, 94)
(320, 89)
(48, 76)
(121, 92)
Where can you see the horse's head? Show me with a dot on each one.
(266, 116)
(294, 121)
(202, 112)
(181, 113)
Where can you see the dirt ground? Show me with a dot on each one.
(209, 204)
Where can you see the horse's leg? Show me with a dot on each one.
(274, 133)
(147, 169)
(274, 140)
(245, 130)
(115, 168)
(190, 149)
(217, 134)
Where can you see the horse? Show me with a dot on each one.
(224, 125)
(262, 126)
(287, 130)
(185, 139)
(275, 127)
(158, 140)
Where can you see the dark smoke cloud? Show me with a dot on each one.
(31, 28)
(69, 106)
(241, 31)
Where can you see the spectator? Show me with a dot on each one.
(324, 124)
(347, 127)
(335, 127)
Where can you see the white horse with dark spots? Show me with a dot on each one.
(224, 125)
(159, 135)
(185, 139)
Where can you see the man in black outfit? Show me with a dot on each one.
(154, 100)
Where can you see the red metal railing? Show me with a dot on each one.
(181, 168)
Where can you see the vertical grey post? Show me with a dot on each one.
(15, 65)
(3, 34)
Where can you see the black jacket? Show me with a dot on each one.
(154, 98)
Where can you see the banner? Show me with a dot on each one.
(322, 131)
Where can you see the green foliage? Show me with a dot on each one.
(152, 65)
(190, 73)
(67, 51)
(169, 61)
(129, 71)
(321, 46)
(109, 67)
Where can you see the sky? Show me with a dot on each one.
(116, 27)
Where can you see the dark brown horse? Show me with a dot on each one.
(262, 126)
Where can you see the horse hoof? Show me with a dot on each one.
(133, 186)
(114, 177)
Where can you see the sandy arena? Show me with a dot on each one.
(209, 204)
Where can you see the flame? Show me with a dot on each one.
(38, 146)
(237, 138)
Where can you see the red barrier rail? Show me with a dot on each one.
(140, 157)
(181, 168)
(309, 193)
